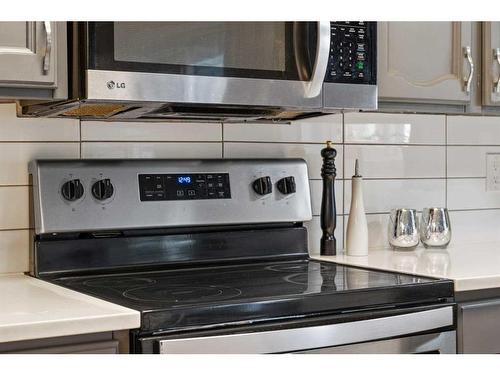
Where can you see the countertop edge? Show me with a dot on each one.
(68, 327)
(36, 321)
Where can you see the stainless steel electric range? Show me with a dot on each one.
(214, 255)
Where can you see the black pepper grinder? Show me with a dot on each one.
(328, 210)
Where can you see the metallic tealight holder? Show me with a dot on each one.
(403, 229)
(435, 229)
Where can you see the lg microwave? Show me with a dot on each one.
(216, 70)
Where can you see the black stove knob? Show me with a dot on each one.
(72, 190)
(102, 189)
(263, 185)
(287, 185)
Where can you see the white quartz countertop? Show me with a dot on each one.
(471, 266)
(31, 309)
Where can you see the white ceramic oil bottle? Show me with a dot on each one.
(357, 228)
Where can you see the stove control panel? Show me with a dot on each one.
(114, 195)
(185, 186)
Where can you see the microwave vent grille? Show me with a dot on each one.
(95, 110)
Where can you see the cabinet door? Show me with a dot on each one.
(491, 63)
(27, 54)
(478, 331)
(424, 62)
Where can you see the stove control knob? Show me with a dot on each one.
(287, 185)
(103, 189)
(263, 185)
(72, 190)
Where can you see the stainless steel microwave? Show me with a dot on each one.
(217, 70)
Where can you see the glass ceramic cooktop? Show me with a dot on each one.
(209, 295)
(175, 288)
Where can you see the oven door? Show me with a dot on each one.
(280, 64)
(424, 331)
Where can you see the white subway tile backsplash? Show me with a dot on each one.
(14, 158)
(314, 130)
(316, 187)
(15, 129)
(381, 196)
(151, 131)
(384, 128)
(473, 130)
(314, 234)
(404, 159)
(475, 226)
(14, 211)
(471, 193)
(309, 152)
(468, 161)
(396, 161)
(191, 150)
(14, 248)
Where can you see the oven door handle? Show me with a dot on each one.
(315, 84)
(298, 339)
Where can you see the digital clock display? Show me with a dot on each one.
(184, 180)
(180, 187)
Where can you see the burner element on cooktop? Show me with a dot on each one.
(118, 282)
(182, 293)
(296, 268)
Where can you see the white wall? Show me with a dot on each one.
(407, 160)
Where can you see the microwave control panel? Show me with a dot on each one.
(352, 53)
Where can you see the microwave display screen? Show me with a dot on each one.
(238, 45)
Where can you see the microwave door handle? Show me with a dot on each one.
(314, 86)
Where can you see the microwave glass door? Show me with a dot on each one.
(260, 50)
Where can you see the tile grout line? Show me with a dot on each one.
(343, 180)
(155, 141)
(412, 145)
(446, 161)
(39, 142)
(453, 210)
(222, 139)
(80, 127)
(342, 142)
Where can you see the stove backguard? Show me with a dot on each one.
(115, 195)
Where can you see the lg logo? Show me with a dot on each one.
(112, 84)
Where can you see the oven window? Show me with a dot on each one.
(232, 49)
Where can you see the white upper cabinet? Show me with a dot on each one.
(33, 60)
(491, 63)
(425, 62)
